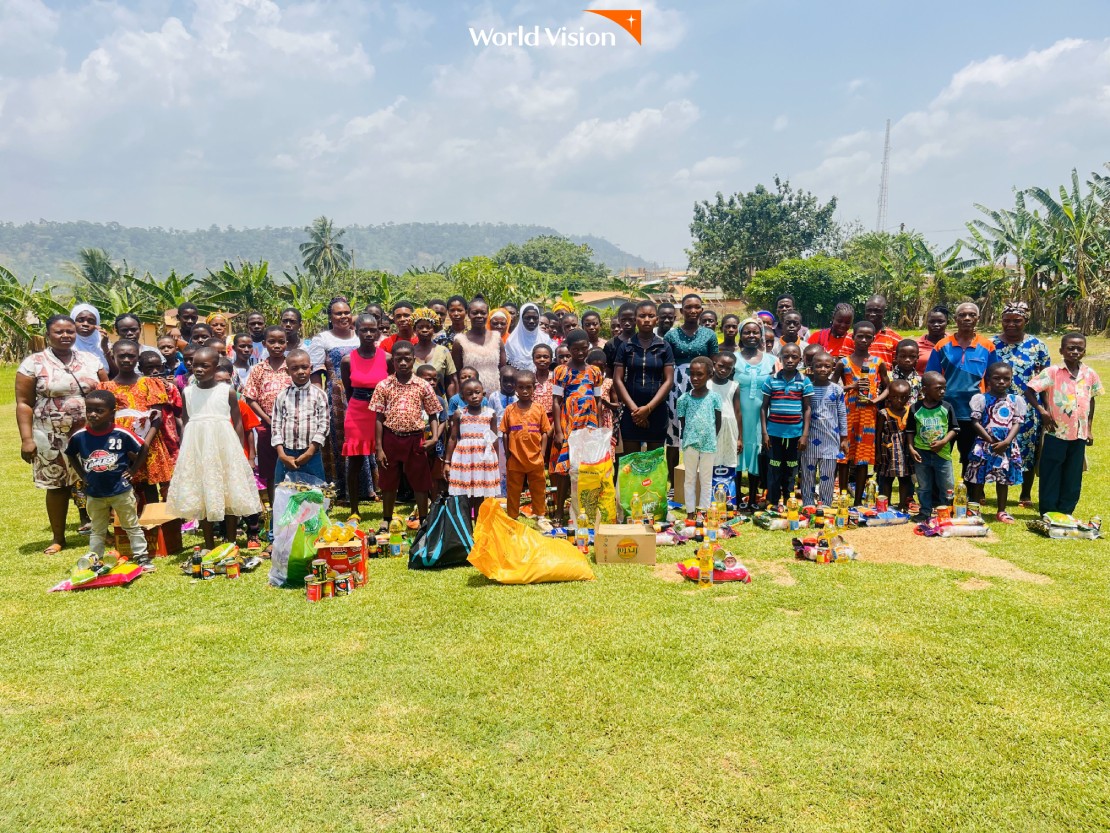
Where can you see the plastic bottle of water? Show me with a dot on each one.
(396, 538)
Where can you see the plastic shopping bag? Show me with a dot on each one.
(298, 515)
(591, 474)
(508, 552)
(644, 472)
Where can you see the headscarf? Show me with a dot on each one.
(769, 314)
(759, 322)
(215, 315)
(508, 316)
(91, 342)
(560, 306)
(425, 314)
(1016, 308)
(518, 348)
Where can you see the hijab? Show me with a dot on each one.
(501, 312)
(91, 342)
(518, 347)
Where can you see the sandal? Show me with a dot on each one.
(85, 529)
(1004, 517)
(53, 549)
(1025, 504)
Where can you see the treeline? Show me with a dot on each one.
(45, 248)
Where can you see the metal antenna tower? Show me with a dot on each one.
(884, 182)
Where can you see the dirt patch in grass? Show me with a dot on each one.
(975, 584)
(899, 545)
(668, 573)
(777, 571)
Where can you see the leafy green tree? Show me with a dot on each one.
(171, 292)
(499, 283)
(323, 254)
(247, 286)
(554, 255)
(23, 308)
(817, 283)
(94, 266)
(737, 236)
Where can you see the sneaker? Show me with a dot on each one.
(544, 525)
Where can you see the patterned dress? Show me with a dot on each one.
(997, 414)
(475, 471)
(1027, 359)
(580, 409)
(685, 349)
(895, 456)
(140, 398)
(861, 415)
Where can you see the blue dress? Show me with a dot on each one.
(750, 378)
(1027, 359)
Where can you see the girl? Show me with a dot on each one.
(426, 352)
(525, 338)
(643, 373)
(730, 332)
(865, 383)
(150, 365)
(456, 313)
(562, 354)
(91, 337)
(687, 343)
(542, 358)
(999, 416)
(699, 411)
(136, 396)
(213, 480)
(361, 370)
(456, 402)
(471, 460)
(326, 354)
(753, 366)
(575, 389)
(242, 349)
(836, 339)
(893, 453)
(728, 438)
(480, 348)
(709, 320)
(608, 406)
(591, 323)
(905, 368)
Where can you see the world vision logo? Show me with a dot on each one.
(627, 19)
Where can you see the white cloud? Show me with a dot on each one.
(709, 174)
(780, 124)
(616, 137)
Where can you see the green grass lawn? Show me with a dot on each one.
(859, 697)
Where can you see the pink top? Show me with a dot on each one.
(368, 373)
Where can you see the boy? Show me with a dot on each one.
(808, 355)
(525, 427)
(401, 402)
(242, 348)
(300, 421)
(107, 456)
(1067, 408)
(264, 382)
(791, 326)
(932, 427)
(785, 417)
(499, 402)
(828, 429)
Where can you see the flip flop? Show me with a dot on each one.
(53, 549)
(1004, 517)
(85, 529)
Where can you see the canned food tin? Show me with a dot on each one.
(882, 503)
(944, 513)
(320, 569)
(207, 571)
(232, 569)
(973, 508)
(314, 590)
(344, 583)
(329, 588)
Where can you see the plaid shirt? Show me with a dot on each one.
(404, 404)
(300, 417)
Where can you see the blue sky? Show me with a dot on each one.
(251, 112)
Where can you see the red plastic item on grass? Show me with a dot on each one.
(122, 574)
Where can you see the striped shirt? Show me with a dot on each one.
(784, 417)
(882, 348)
(300, 417)
(828, 422)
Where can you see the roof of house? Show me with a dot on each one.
(594, 297)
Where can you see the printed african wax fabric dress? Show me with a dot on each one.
(1027, 359)
(580, 408)
(861, 413)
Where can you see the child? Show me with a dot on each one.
(264, 382)
(400, 403)
(865, 380)
(787, 401)
(542, 358)
(730, 327)
(242, 348)
(591, 323)
(791, 326)
(574, 394)
(828, 430)
(905, 367)
(171, 359)
(562, 354)
(471, 461)
(184, 374)
(1067, 408)
(524, 429)
(606, 406)
(808, 354)
(466, 374)
(301, 419)
(730, 437)
(699, 414)
(212, 480)
(250, 421)
(152, 366)
(429, 374)
(137, 398)
(892, 455)
(932, 427)
(106, 456)
(995, 457)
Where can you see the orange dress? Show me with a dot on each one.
(145, 395)
(861, 415)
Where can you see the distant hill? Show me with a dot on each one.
(43, 248)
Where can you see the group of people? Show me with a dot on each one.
(455, 398)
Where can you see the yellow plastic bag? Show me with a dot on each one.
(591, 474)
(510, 553)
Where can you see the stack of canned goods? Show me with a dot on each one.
(326, 583)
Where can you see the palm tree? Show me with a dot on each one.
(1075, 218)
(171, 292)
(94, 266)
(323, 254)
(23, 308)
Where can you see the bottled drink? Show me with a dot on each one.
(720, 501)
(959, 501)
(195, 562)
(705, 564)
(699, 527)
(582, 533)
(712, 524)
(636, 509)
(843, 505)
(871, 493)
(793, 505)
(648, 517)
(395, 538)
(864, 389)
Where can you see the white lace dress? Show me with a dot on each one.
(212, 477)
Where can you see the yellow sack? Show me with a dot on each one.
(510, 553)
(597, 496)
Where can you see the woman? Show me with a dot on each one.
(220, 324)
(50, 390)
(522, 340)
(424, 321)
(456, 314)
(361, 371)
(936, 323)
(499, 321)
(836, 339)
(91, 337)
(480, 348)
(643, 373)
(326, 353)
(753, 366)
(687, 343)
(1028, 356)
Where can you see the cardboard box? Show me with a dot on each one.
(680, 483)
(624, 544)
(162, 531)
(346, 558)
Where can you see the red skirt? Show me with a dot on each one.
(359, 425)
